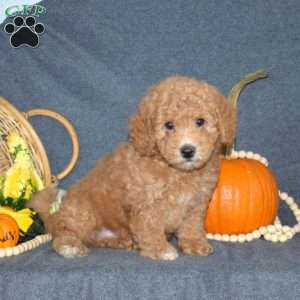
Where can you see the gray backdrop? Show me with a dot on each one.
(94, 61)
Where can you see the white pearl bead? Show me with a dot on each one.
(9, 251)
(262, 230)
(264, 161)
(25, 245)
(283, 196)
(297, 228)
(256, 234)
(294, 207)
(283, 238)
(289, 201)
(39, 238)
(242, 154)
(250, 155)
(297, 212)
(234, 154)
(14, 250)
(274, 238)
(267, 236)
(29, 245)
(2, 252)
(217, 237)
(286, 228)
(233, 238)
(225, 237)
(257, 156)
(271, 229)
(35, 243)
(289, 234)
(249, 237)
(278, 227)
(277, 223)
(21, 248)
(241, 238)
(209, 235)
(277, 220)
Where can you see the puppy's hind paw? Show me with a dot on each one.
(169, 253)
(69, 247)
(71, 252)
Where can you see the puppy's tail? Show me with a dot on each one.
(45, 201)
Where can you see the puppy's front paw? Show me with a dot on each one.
(196, 247)
(168, 253)
(69, 247)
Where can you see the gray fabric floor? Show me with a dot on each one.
(258, 270)
(94, 61)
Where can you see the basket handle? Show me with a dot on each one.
(70, 129)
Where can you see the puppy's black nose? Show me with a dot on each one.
(187, 151)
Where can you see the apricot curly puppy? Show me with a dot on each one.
(157, 184)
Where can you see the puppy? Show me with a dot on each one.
(156, 185)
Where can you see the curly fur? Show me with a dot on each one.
(145, 191)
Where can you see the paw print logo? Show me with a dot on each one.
(24, 32)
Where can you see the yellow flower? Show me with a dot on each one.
(21, 180)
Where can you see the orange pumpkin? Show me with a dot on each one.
(245, 199)
(9, 231)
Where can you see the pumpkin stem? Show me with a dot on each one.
(234, 94)
(239, 86)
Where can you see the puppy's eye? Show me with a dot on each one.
(200, 122)
(169, 125)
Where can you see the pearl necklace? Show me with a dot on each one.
(26, 246)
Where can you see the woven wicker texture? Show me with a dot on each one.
(13, 120)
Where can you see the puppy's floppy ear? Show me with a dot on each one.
(227, 120)
(141, 128)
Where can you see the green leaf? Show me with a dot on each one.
(15, 204)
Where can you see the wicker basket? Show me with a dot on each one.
(12, 119)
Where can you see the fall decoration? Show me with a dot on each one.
(245, 203)
(21, 179)
(29, 223)
(9, 231)
(17, 123)
(27, 246)
(24, 168)
(245, 199)
(274, 232)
